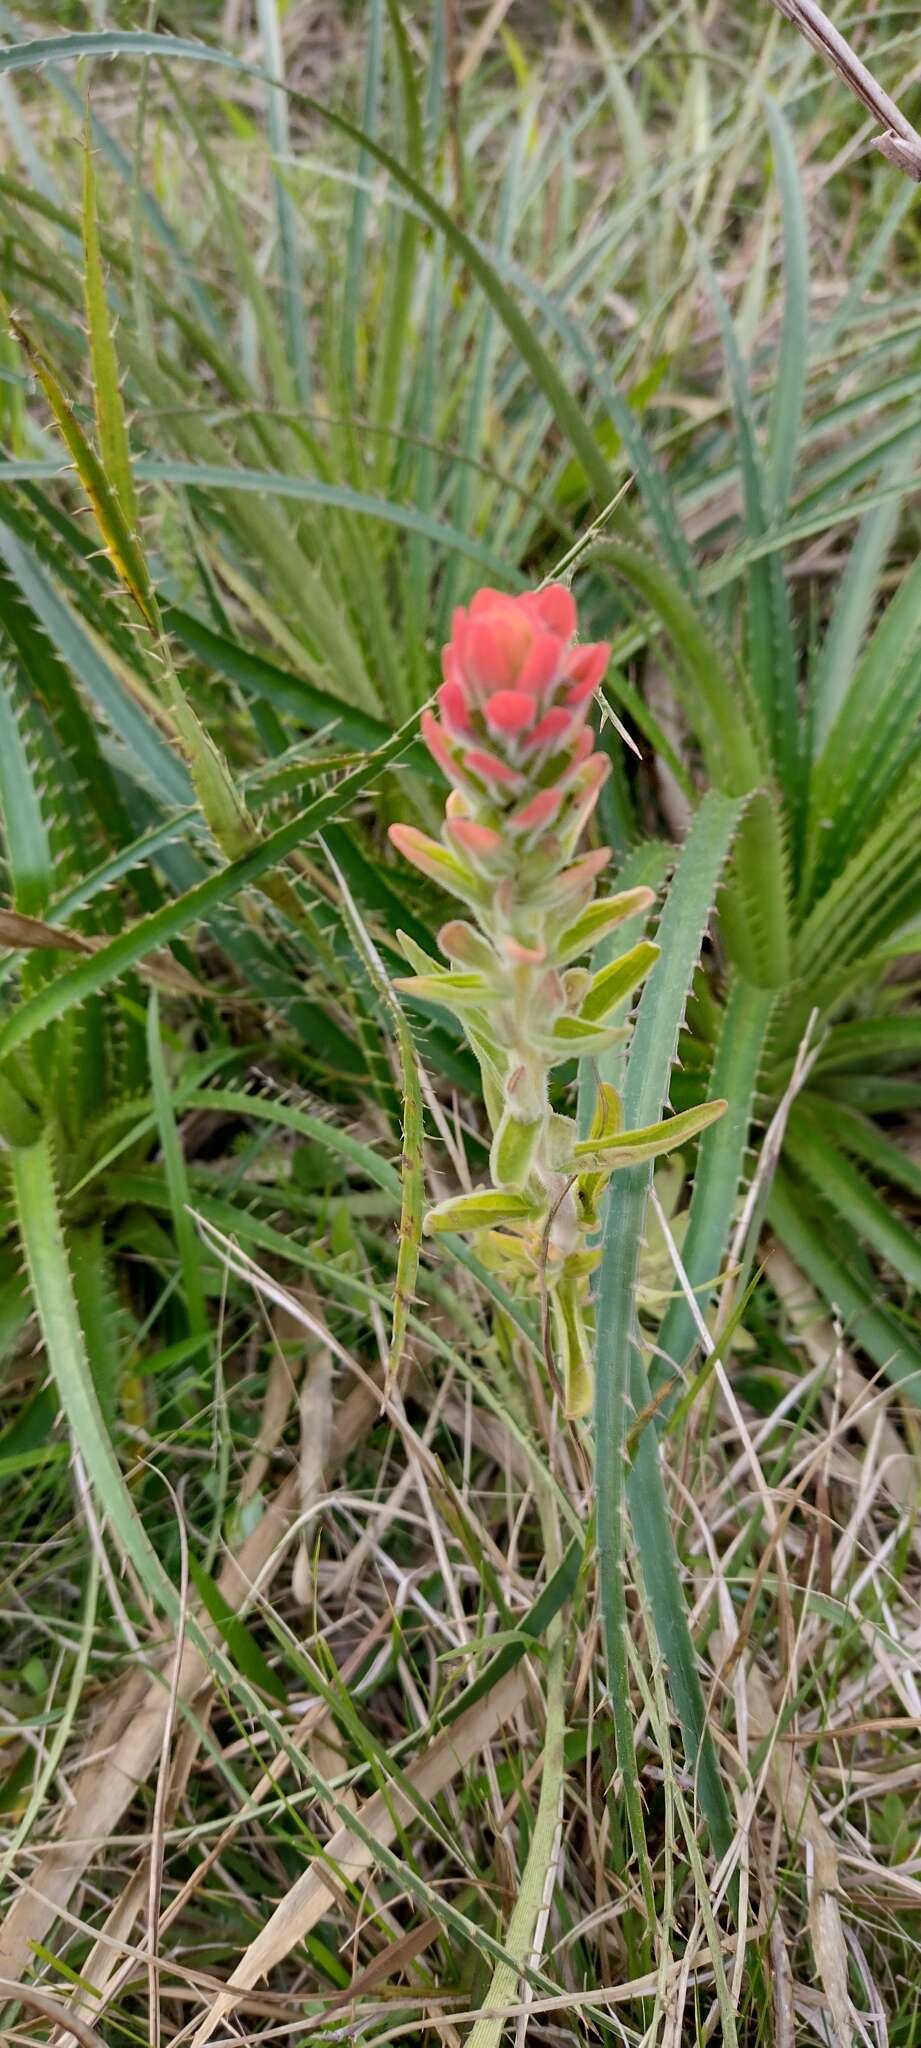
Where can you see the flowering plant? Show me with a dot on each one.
(513, 738)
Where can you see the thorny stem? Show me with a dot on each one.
(900, 142)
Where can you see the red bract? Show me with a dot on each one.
(512, 732)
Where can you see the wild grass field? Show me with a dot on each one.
(421, 1625)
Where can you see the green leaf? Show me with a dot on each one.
(28, 851)
(412, 1195)
(556, 389)
(837, 1276)
(789, 383)
(291, 694)
(190, 1252)
(513, 1149)
(848, 1190)
(720, 1166)
(755, 903)
(242, 1647)
(770, 634)
(484, 1209)
(121, 544)
(46, 1256)
(292, 279)
(110, 413)
(600, 920)
(632, 1147)
(612, 984)
(875, 727)
(856, 597)
(621, 1383)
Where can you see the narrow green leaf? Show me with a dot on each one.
(190, 1255)
(632, 1147)
(621, 1384)
(612, 984)
(848, 1190)
(26, 842)
(789, 383)
(837, 1276)
(46, 1256)
(720, 1165)
(111, 426)
(484, 1209)
(289, 250)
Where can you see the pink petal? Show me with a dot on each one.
(585, 869)
(497, 645)
(524, 956)
(540, 811)
(509, 711)
(580, 693)
(452, 703)
(552, 728)
(542, 663)
(594, 774)
(474, 838)
(490, 769)
(587, 664)
(417, 847)
(438, 746)
(579, 748)
(488, 600)
(451, 667)
(557, 608)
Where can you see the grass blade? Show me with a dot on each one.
(621, 1386)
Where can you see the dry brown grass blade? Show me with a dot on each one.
(900, 142)
(51, 2009)
(32, 934)
(381, 1816)
(125, 1747)
(789, 1788)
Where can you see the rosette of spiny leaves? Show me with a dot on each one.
(514, 740)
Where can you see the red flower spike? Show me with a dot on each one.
(515, 742)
